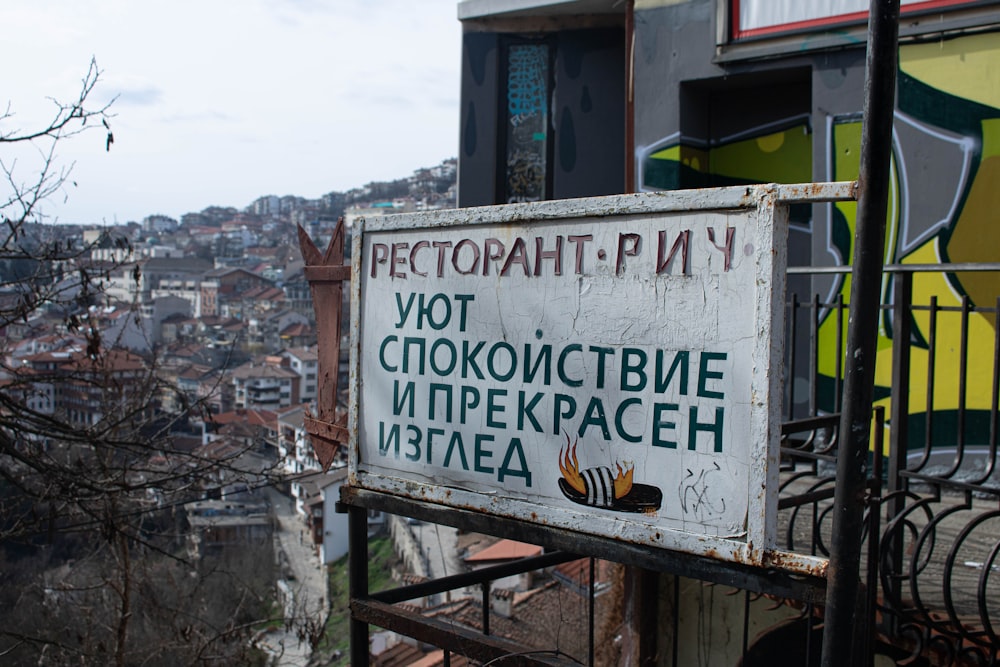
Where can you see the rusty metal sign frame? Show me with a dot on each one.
(757, 546)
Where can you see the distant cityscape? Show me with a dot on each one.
(216, 304)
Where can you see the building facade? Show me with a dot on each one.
(653, 95)
(264, 386)
(569, 98)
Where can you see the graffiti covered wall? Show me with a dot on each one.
(945, 191)
(944, 198)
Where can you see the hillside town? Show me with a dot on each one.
(699, 366)
(217, 300)
(203, 330)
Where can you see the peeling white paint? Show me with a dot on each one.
(613, 307)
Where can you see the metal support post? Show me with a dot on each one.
(869, 249)
(357, 577)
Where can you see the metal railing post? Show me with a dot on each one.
(899, 414)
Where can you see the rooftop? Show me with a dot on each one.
(504, 550)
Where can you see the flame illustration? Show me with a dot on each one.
(569, 465)
(623, 480)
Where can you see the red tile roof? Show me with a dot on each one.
(400, 655)
(295, 330)
(302, 353)
(504, 550)
(436, 659)
(252, 417)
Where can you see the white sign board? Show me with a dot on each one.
(609, 366)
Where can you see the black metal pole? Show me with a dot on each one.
(486, 607)
(357, 581)
(590, 613)
(862, 332)
(874, 531)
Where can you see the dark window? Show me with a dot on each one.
(526, 116)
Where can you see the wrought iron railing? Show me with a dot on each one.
(933, 556)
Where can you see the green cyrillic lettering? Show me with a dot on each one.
(432, 403)
(427, 312)
(619, 426)
(491, 364)
(400, 400)
(469, 401)
(481, 453)
(715, 428)
(558, 413)
(403, 312)
(469, 359)
(493, 409)
(601, 353)
(414, 443)
(524, 410)
(463, 301)
(594, 416)
(431, 432)
(450, 366)
(680, 362)
(660, 423)
(514, 448)
(630, 367)
(705, 374)
(391, 441)
(561, 365)
(381, 354)
(420, 343)
(455, 444)
(544, 357)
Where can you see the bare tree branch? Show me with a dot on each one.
(95, 563)
(69, 118)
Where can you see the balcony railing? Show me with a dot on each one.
(933, 520)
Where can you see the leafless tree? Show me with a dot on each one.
(91, 488)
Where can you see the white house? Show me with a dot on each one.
(334, 538)
(305, 362)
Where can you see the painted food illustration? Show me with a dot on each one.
(602, 487)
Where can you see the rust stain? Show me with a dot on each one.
(783, 561)
(326, 273)
(817, 191)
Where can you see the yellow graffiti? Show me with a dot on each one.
(954, 102)
(962, 68)
(772, 157)
(976, 236)
(965, 67)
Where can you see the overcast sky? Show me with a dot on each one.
(221, 101)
